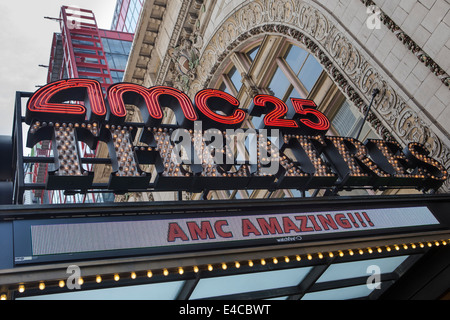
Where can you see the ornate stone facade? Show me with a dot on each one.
(306, 24)
(350, 63)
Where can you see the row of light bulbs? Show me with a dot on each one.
(263, 262)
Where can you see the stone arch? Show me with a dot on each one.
(304, 22)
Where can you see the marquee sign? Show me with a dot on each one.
(175, 227)
(47, 239)
(208, 148)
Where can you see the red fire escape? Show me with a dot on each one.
(84, 56)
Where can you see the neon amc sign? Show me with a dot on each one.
(208, 149)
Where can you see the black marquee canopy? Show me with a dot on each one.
(413, 260)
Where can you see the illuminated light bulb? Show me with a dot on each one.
(210, 267)
(41, 286)
(61, 283)
(421, 245)
(286, 259)
(369, 250)
(149, 274)
(224, 266)
(116, 277)
(250, 263)
(298, 258)
(405, 246)
(3, 297)
(275, 260)
(396, 247)
(180, 271)
(413, 246)
(341, 254)
(263, 262)
(444, 242)
(330, 254)
(98, 279)
(133, 275)
(350, 251)
(361, 252)
(429, 244)
(80, 281)
(237, 265)
(21, 288)
(309, 256)
(320, 255)
(166, 272)
(436, 243)
(196, 269)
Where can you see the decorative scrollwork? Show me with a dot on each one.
(280, 10)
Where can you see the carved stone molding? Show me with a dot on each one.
(147, 33)
(346, 65)
(421, 55)
(182, 31)
(185, 60)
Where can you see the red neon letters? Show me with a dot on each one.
(47, 104)
(274, 118)
(302, 126)
(209, 100)
(149, 101)
(310, 119)
(216, 108)
(308, 107)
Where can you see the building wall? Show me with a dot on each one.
(403, 57)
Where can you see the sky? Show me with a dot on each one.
(25, 42)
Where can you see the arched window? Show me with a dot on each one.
(251, 54)
(292, 72)
(286, 70)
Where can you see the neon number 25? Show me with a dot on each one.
(275, 109)
(307, 109)
(304, 111)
